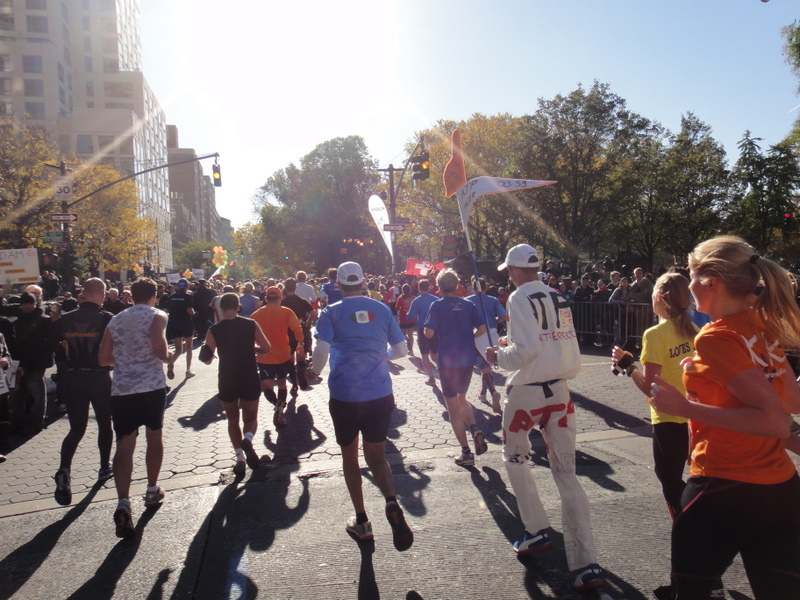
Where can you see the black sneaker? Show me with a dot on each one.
(124, 522)
(252, 458)
(402, 535)
(63, 493)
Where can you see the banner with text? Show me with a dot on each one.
(19, 266)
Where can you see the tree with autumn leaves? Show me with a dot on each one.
(109, 233)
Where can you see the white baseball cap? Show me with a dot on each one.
(349, 273)
(521, 255)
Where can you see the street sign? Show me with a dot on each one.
(53, 236)
(402, 220)
(63, 189)
(64, 217)
(62, 245)
(393, 227)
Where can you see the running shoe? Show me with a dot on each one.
(63, 493)
(294, 391)
(154, 498)
(279, 419)
(189, 373)
(482, 397)
(465, 459)
(252, 458)
(588, 578)
(170, 371)
(124, 522)
(107, 473)
(496, 407)
(402, 535)
(533, 543)
(430, 381)
(2, 458)
(360, 532)
(240, 467)
(480, 442)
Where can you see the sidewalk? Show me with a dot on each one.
(279, 532)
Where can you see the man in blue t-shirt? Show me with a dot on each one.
(356, 332)
(330, 292)
(493, 314)
(428, 347)
(457, 323)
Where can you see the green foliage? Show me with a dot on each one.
(190, 255)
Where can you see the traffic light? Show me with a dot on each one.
(422, 166)
(217, 175)
(241, 253)
(787, 219)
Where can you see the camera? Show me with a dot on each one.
(621, 367)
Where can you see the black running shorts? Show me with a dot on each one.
(134, 410)
(370, 418)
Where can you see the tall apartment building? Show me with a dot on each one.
(74, 68)
(192, 196)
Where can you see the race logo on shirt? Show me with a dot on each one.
(362, 316)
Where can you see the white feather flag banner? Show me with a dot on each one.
(381, 217)
(473, 189)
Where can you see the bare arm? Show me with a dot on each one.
(158, 341)
(211, 343)
(761, 415)
(105, 354)
(262, 343)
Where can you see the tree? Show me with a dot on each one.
(26, 184)
(582, 140)
(766, 184)
(190, 255)
(678, 185)
(109, 233)
(309, 209)
(791, 49)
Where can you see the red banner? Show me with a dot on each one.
(422, 268)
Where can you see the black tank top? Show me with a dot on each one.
(235, 348)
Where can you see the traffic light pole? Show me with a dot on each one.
(393, 202)
(66, 205)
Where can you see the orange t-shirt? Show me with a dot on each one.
(724, 349)
(276, 321)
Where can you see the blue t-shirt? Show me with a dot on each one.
(454, 320)
(332, 292)
(419, 309)
(492, 309)
(359, 330)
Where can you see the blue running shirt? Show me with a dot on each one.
(359, 330)
(454, 319)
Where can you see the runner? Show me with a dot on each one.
(428, 347)
(180, 328)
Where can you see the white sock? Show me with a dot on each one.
(153, 488)
(124, 503)
(249, 435)
(239, 453)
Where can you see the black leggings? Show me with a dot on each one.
(722, 518)
(670, 451)
(78, 389)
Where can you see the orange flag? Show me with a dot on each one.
(454, 174)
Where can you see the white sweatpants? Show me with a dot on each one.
(526, 407)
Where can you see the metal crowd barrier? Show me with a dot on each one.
(609, 324)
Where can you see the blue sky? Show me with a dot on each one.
(263, 82)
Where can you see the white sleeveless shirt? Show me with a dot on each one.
(137, 369)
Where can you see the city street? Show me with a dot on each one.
(278, 533)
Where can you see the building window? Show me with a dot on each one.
(5, 62)
(5, 86)
(37, 24)
(87, 64)
(118, 89)
(60, 69)
(6, 109)
(87, 43)
(36, 4)
(35, 110)
(84, 145)
(86, 4)
(6, 3)
(34, 87)
(62, 95)
(86, 22)
(90, 88)
(31, 64)
(7, 22)
(110, 65)
(123, 105)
